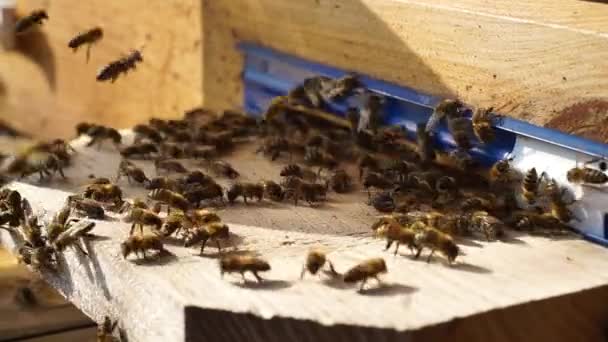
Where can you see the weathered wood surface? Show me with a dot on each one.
(495, 287)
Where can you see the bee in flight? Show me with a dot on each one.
(87, 38)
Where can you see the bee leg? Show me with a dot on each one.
(361, 288)
(428, 259)
(80, 249)
(132, 229)
(88, 52)
(243, 277)
(143, 251)
(397, 247)
(60, 169)
(303, 272)
(257, 276)
(418, 253)
(245, 199)
(219, 247)
(388, 244)
(332, 269)
(203, 246)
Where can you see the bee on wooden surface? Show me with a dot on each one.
(501, 172)
(36, 17)
(148, 132)
(169, 166)
(247, 190)
(132, 172)
(171, 198)
(199, 193)
(142, 217)
(215, 231)
(44, 164)
(274, 191)
(142, 150)
(370, 268)
(452, 224)
(315, 260)
(340, 181)
(86, 206)
(89, 38)
(196, 177)
(106, 330)
(530, 185)
(203, 217)
(436, 240)
(222, 168)
(59, 147)
(135, 203)
(72, 236)
(383, 202)
(316, 157)
(273, 147)
(585, 175)
(482, 125)
(395, 232)
(446, 108)
(123, 65)
(140, 244)
(310, 192)
(163, 182)
(175, 222)
(242, 264)
(535, 221)
(490, 226)
(107, 193)
(98, 134)
(299, 172)
(200, 152)
(38, 257)
(425, 145)
(378, 181)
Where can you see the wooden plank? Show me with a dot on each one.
(491, 278)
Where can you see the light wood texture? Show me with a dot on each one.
(182, 297)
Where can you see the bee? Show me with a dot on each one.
(460, 128)
(299, 172)
(274, 191)
(72, 236)
(312, 89)
(122, 65)
(368, 163)
(45, 164)
(436, 240)
(446, 108)
(478, 203)
(500, 173)
(341, 87)
(383, 202)
(247, 190)
(172, 199)
(559, 207)
(172, 150)
(143, 217)
(203, 217)
(534, 221)
(452, 224)
(107, 193)
(315, 157)
(14, 209)
(490, 226)
(38, 257)
(445, 184)
(132, 172)
(143, 150)
(461, 160)
(423, 180)
(89, 38)
(376, 180)
(200, 152)
(198, 178)
(530, 185)
(200, 193)
(59, 223)
(89, 207)
(274, 146)
(310, 192)
(106, 329)
(242, 264)
(163, 183)
(370, 268)
(353, 117)
(223, 168)
(585, 175)
(146, 132)
(340, 181)
(99, 134)
(142, 243)
(370, 115)
(424, 144)
(175, 222)
(395, 232)
(214, 230)
(36, 17)
(169, 166)
(482, 125)
(315, 260)
(59, 147)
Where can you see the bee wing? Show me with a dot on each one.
(79, 229)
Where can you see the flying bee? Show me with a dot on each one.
(378, 181)
(89, 38)
(172, 199)
(586, 175)
(247, 190)
(34, 18)
(120, 66)
(142, 150)
(200, 193)
(446, 108)
(310, 192)
(274, 191)
(370, 268)
(316, 157)
(72, 236)
(99, 134)
(224, 169)
(460, 129)
(501, 172)
(86, 206)
(142, 217)
(146, 132)
(490, 226)
(214, 231)
(107, 193)
(142, 243)
(315, 260)
(436, 240)
(530, 185)
(106, 329)
(132, 172)
(169, 166)
(242, 264)
(425, 144)
(482, 125)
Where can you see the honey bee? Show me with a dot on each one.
(198, 178)
(38, 257)
(559, 207)
(200, 152)
(310, 192)
(142, 243)
(214, 230)
(436, 240)
(247, 190)
(163, 183)
(274, 146)
(353, 117)
(203, 217)
(585, 175)
(500, 173)
(58, 147)
(169, 166)
(383, 202)
(72, 236)
(445, 184)
(175, 222)
(89, 38)
(200, 193)
(536, 221)
(490, 226)
(452, 224)
(143, 217)
(98, 134)
(86, 206)
(482, 125)
(478, 203)
(370, 268)
(14, 209)
(460, 128)
(45, 164)
(36, 17)
(446, 108)
(107, 193)
(340, 181)
(395, 232)
(341, 87)
(106, 329)
(530, 185)
(132, 172)
(274, 191)
(368, 163)
(146, 132)
(376, 180)
(223, 168)
(424, 144)
(370, 115)
(299, 172)
(315, 260)
(172, 199)
(142, 150)
(316, 157)
(242, 264)
(461, 160)
(123, 65)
